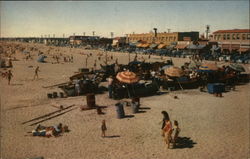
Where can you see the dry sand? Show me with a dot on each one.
(218, 128)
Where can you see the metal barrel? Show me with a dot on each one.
(49, 95)
(55, 95)
(61, 95)
(120, 110)
(136, 99)
(135, 107)
(91, 100)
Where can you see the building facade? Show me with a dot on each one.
(233, 40)
(164, 38)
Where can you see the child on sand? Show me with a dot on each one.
(104, 128)
(176, 131)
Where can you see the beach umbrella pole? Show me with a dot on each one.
(180, 85)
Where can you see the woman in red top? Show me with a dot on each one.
(167, 131)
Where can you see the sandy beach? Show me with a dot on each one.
(215, 128)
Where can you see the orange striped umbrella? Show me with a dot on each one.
(174, 72)
(127, 77)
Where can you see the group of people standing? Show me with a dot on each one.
(169, 132)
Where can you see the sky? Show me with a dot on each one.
(40, 18)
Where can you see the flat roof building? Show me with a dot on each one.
(233, 40)
(164, 38)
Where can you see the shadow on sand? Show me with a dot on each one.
(129, 116)
(113, 136)
(184, 142)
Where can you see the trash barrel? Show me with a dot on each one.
(55, 95)
(120, 110)
(136, 100)
(135, 107)
(49, 95)
(91, 100)
(61, 95)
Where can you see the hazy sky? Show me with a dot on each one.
(67, 17)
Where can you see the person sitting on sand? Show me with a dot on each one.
(176, 130)
(103, 128)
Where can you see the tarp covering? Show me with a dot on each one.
(41, 58)
(139, 45)
(198, 47)
(133, 44)
(161, 46)
(153, 45)
(208, 67)
(145, 45)
(237, 67)
(181, 46)
(244, 49)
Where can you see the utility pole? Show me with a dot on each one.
(207, 30)
(155, 29)
(112, 35)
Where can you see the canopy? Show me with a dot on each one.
(145, 45)
(237, 67)
(181, 46)
(135, 62)
(170, 46)
(133, 44)
(208, 67)
(153, 45)
(174, 71)
(161, 46)
(127, 77)
(194, 65)
(244, 49)
(198, 47)
(139, 45)
(165, 67)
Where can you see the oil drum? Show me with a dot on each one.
(91, 100)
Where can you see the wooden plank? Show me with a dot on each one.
(55, 85)
(51, 117)
(43, 116)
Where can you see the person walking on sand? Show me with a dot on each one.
(103, 128)
(9, 76)
(10, 63)
(95, 65)
(36, 72)
(71, 58)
